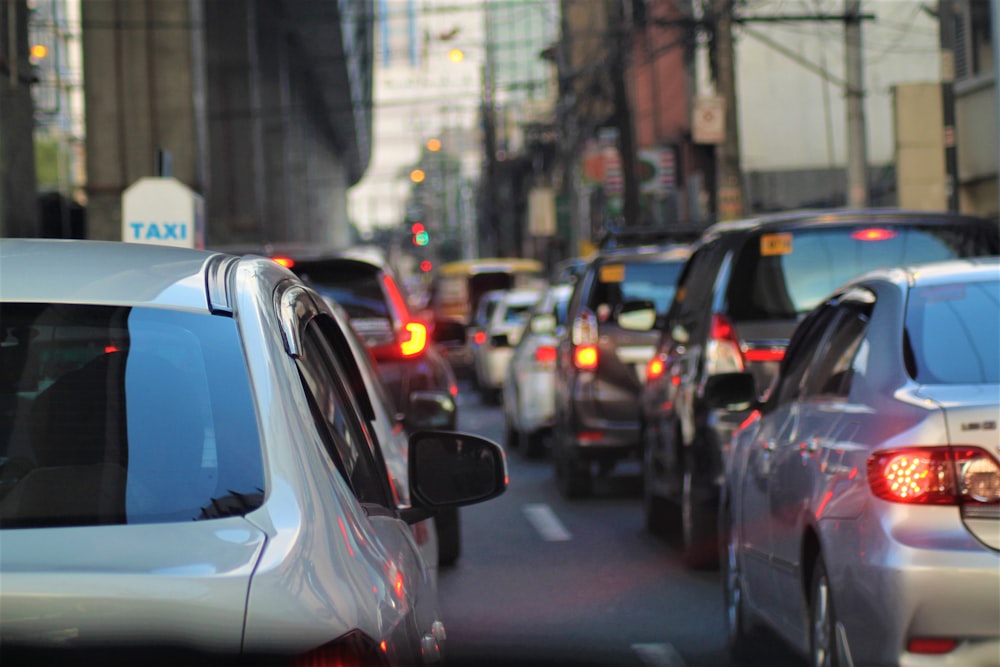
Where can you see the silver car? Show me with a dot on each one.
(189, 465)
(861, 506)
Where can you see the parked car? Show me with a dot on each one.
(743, 291)
(601, 361)
(860, 504)
(502, 333)
(365, 285)
(187, 470)
(528, 388)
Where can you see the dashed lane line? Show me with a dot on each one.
(658, 655)
(546, 522)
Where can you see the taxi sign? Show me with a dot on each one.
(612, 273)
(163, 211)
(775, 244)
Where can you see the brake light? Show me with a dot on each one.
(545, 354)
(585, 357)
(770, 354)
(354, 649)
(935, 475)
(931, 645)
(479, 338)
(722, 353)
(655, 368)
(416, 341)
(286, 262)
(873, 234)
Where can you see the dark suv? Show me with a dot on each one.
(740, 296)
(602, 357)
(362, 283)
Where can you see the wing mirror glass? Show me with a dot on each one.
(732, 391)
(450, 469)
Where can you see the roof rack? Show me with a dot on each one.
(622, 236)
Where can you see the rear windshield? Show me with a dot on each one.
(354, 287)
(619, 282)
(112, 415)
(953, 333)
(784, 275)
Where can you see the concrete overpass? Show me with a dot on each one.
(263, 105)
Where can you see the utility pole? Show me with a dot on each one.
(857, 143)
(946, 20)
(729, 175)
(623, 112)
(18, 187)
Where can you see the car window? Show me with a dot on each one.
(694, 287)
(124, 415)
(517, 313)
(620, 282)
(338, 418)
(830, 375)
(798, 358)
(950, 340)
(781, 275)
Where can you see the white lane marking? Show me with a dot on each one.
(546, 522)
(658, 655)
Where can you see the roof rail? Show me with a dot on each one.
(621, 236)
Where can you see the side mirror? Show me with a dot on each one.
(449, 332)
(637, 315)
(732, 391)
(431, 410)
(449, 469)
(543, 323)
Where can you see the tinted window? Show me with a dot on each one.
(784, 274)
(123, 415)
(517, 313)
(830, 375)
(954, 333)
(619, 282)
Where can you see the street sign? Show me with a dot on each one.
(163, 211)
(708, 121)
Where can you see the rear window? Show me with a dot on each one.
(953, 333)
(783, 275)
(354, 286)
(619, 282)
(112, 415)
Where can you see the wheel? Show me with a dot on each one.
(658, 512)
(823, 647)
(742, 637)
(534, 444)
(512, 438)
(449, 534)
(572, 476)
(699, 524)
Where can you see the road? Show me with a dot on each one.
(546, 581)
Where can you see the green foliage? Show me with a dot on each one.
(51, 158)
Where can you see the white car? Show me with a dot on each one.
(187, 466)
(500, 335)
(528, 389)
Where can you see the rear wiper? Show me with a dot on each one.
(231, 504)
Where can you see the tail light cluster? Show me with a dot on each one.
(584, 338)
(960, 475)
(724, 354)
(545, 355)
(412, 337)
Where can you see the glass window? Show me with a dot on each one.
(338, 418)
(799, 356)
(620, 282)
(831, 373)
(783, 275)
(123, 415)
(954, 333)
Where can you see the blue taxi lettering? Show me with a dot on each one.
(146, 231)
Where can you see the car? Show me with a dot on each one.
(366, 286)
(601, 359)
(743, 291)
(475, 333)
(528, 391)
(500, 335)
(859, 511)
(188, 472)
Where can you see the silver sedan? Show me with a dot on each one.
(861, 505)
(188, 465)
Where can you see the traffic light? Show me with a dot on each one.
(426, 265)
(420, 236)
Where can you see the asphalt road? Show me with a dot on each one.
(545, 581)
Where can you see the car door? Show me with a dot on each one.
(333, 383)
(798, 481)
(779, 424)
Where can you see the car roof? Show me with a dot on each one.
(671, 252)
(111, 273)
(304, 252)
(821, 217)
(974, 269)
(521, 295)
(490, 265)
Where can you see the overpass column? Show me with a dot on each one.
(144, 68)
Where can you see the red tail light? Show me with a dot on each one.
(545, 354)
(480, 337)
(935, 475)
(354, 649)
(415, 341)
(931, 645)
(655, 368)
(286, 262)
(771, 354)
(585, 357)
(723, 354)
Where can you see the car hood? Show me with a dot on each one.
(152, 584)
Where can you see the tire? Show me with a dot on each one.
(743, 638)
(573, 477)
(449, 534)
(534, 444)
(823, 647)
(699, 524)
(659, 514)
(512, 438)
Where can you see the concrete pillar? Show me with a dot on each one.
(275, 104)
(145, 90)
(18, 188)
